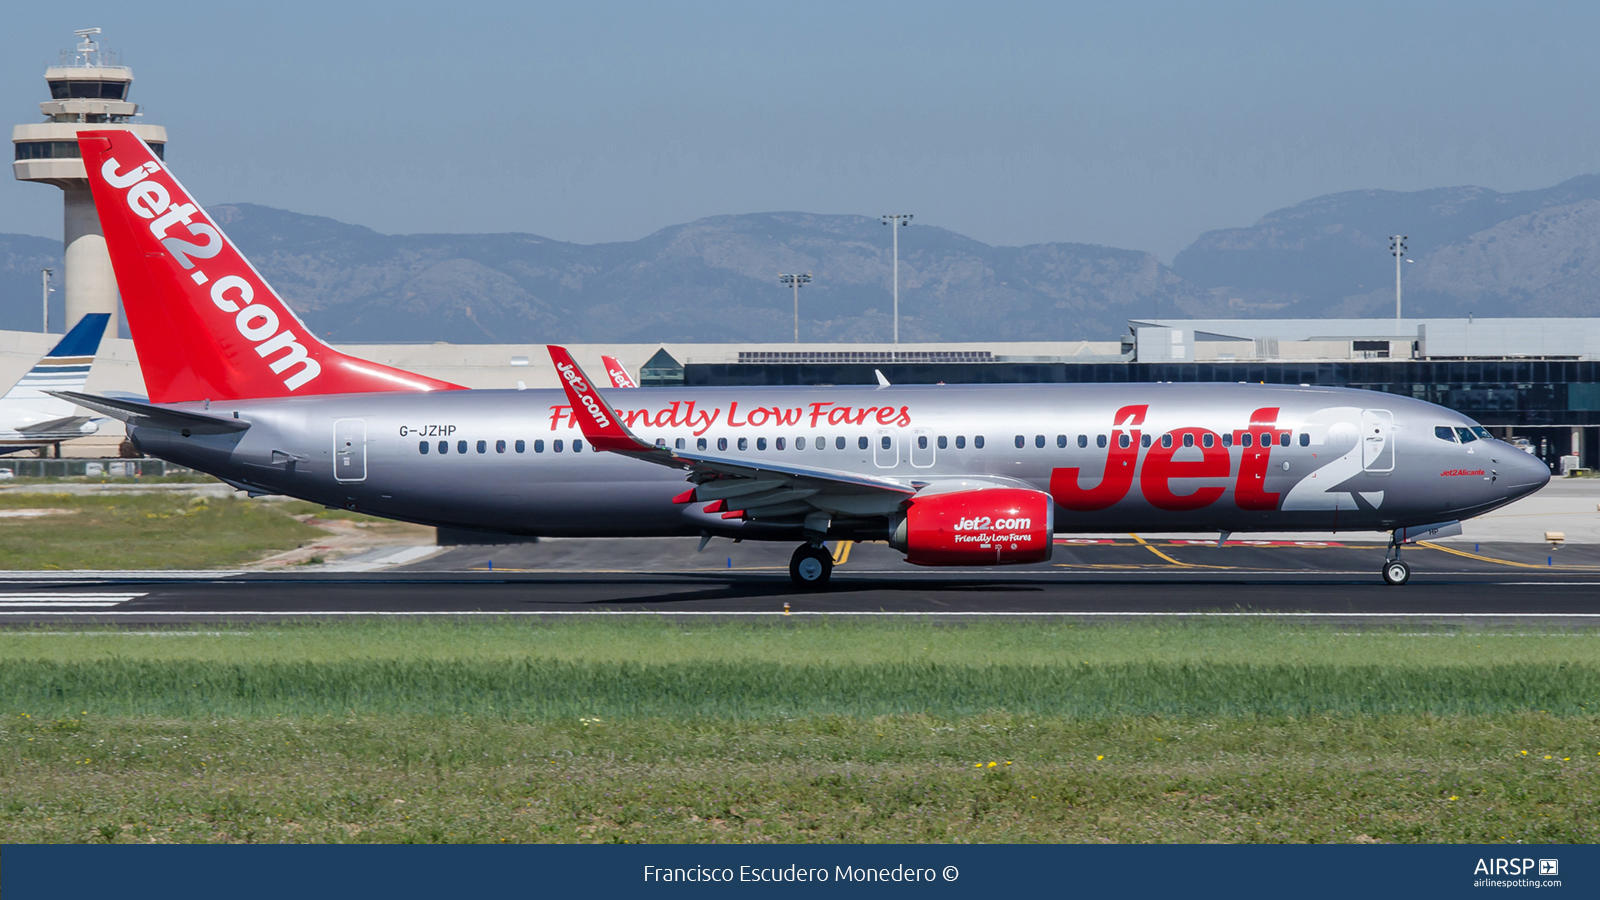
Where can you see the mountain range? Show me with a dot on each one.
(1526, 253)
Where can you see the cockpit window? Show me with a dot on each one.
(1444, 433)
(1466, 435)
(1481, 432)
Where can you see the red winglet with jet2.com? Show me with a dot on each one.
(599, 422)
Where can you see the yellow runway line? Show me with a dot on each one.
(841, 552)
(1153, 549)
(1504, 562)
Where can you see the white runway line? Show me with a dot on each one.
(235, 613)
(61, 599)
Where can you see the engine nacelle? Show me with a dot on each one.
(986, 527)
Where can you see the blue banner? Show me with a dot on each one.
(238, 872)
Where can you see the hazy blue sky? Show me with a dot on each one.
(1127, 124)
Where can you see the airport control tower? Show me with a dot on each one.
(88, 91)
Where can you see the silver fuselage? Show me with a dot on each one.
(1368, 461)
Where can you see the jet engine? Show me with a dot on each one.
(984, 527)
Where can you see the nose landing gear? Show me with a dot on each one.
(810, 567)
(1395, 571)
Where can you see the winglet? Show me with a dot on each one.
(600, 424)
(618, 373)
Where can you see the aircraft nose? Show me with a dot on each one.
(1522, 473)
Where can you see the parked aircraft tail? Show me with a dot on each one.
(65, 367)
(618, 373)
(205, 324)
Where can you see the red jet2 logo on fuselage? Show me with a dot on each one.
(1155, 476)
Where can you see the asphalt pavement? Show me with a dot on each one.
(1090, 578)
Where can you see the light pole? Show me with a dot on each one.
(892, 219)
(796, 280)
(1397, 246)
(44, 284)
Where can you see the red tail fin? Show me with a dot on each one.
(205, 323)
(618, 373)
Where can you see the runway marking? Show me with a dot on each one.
(841, 552)
(1504, 562)
(98, 599)
(1151, 547)
(778, 613)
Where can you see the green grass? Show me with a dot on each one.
(798, 730)
(144, 531)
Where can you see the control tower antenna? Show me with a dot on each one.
(88, 91)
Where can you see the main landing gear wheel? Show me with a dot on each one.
(1396, 572)
(810, 567)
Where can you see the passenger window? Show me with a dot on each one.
(661, 442)
(1244, 439)
(1144, 441)
(977, 442)
(1266, 439)
(1227, 440)
(700, 443)
(422, 447)
(1020, 441)
(1207, 439)
(800, 443)
(522, 446)
(679, 444)
(577, 446)
(1188, 440)
(944, 442)
(744, 443)
(538, 446)
(499, 446)
(922, 442)
(1124, 441)
(1283, 439)
(1466, 435)
(461, 446)
(722, 443)
(1083, 441)
(1166, 440)
(444, 447)
(1061, 441)
(1100, 441)
(761, 443)
(838, 442)
(1038, 442)
(779, 443)
(555, 446)
(961, 442)
(1305, 439)
(483, 446)
(861, 442)
(886, 441)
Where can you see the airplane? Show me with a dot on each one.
(618, 373)
(949, 475)
(30, 417)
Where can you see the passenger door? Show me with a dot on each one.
(350, 450)
(1377, 441)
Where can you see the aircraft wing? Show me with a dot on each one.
(146, 414)
(737, 487)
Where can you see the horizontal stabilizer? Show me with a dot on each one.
(55, 426)
(145, 415)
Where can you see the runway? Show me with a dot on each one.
(1110, 579)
